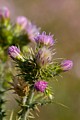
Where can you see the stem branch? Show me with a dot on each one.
(26, 110)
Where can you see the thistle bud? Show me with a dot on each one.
(44, 39)
(43, 57)
(40, 85)
(66, 65)
(21, 22)
(4, 13)
(15, 53)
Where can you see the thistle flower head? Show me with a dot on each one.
(14, 52)
(40, 85)
(21, 21)
(19, 86)
(43, 57)
(4, 13)
(66, 65)
(45, 39)
(32, 31)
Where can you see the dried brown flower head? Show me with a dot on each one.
(19, 86)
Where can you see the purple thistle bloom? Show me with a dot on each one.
(14, 52)
(4, 12)
(66, 65)
(32, 31)
(43, 57)
(45, 39)
(21, 21)
(40, 85)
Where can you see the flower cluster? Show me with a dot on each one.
(36, 67)
(43, 59)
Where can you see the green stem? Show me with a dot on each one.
(25, 111)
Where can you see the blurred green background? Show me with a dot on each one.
(61, 18)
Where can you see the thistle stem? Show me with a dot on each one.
(25, 111)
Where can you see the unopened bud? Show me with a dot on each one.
(14, 53)
(66, 65)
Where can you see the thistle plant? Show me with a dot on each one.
(35, 68)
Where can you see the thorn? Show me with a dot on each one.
(37, 114)
(11, 116)
(31, 117)
(31, 114)
(37, 109)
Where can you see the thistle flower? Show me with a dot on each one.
(4, 13)
(45, 39)
(43, 57)
(14, 53)
(66, 65)
(32, 31)
(40, 85)
(21, 21)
